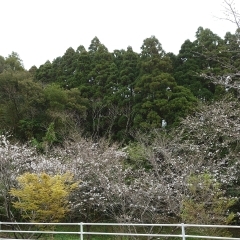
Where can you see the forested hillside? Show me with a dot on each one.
(94, 92)
(99, 93)
(148, 137)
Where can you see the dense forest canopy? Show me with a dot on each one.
(111, 94)
(148, 136)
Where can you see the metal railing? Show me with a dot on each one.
(81, 233)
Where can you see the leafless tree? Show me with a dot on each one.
(226, 56)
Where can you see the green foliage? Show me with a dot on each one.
(205, 203)
(157, 94)
(100, 93)
(13, 62)
(27, 109)
(44, 73)
(50, 136)
(196, 58)
(56, 97)
(137, 157)
(33, 70)
(21, 104)
(2, 61)
(138, 88)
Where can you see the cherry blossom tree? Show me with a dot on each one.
(143, 184)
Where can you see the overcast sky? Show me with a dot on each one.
(41, 30)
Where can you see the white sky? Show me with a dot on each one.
(41, 30)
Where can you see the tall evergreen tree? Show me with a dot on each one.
(157, 94)
(101, 61)
(44, 73)
(68, 66)
(83, 68)
(198, 58)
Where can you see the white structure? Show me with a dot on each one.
(164, 123)
(82, 232)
